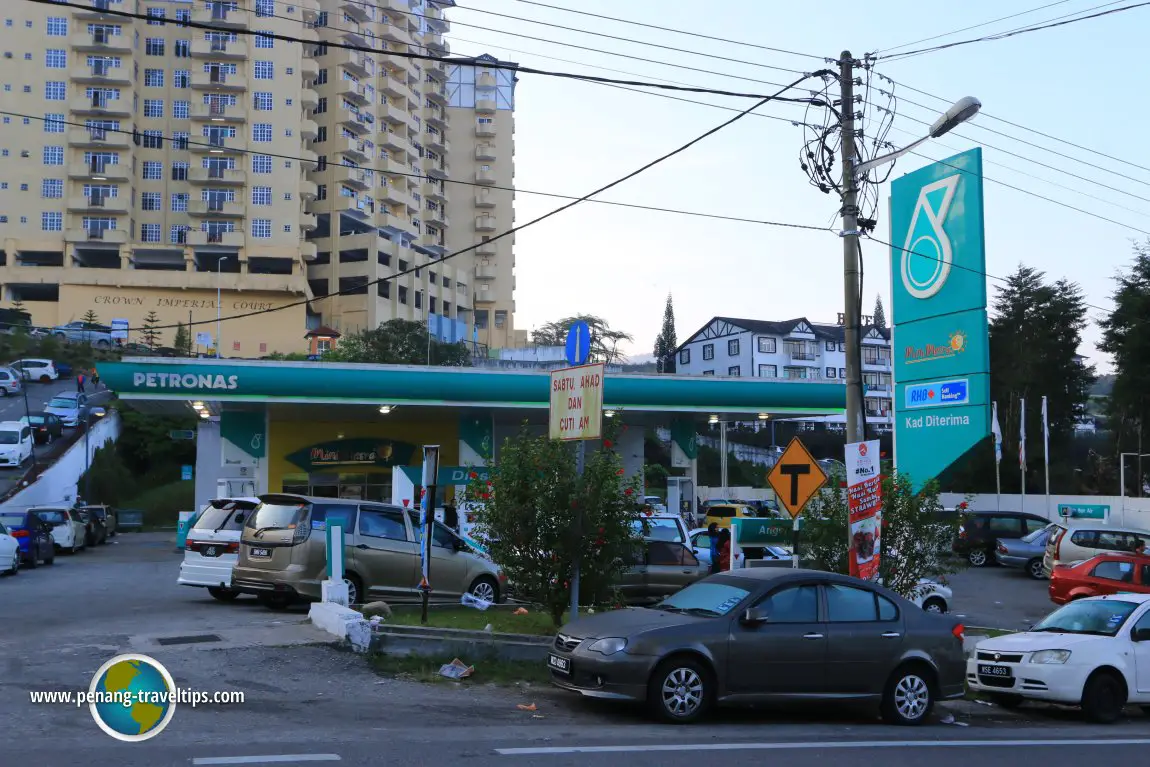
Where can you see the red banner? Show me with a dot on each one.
(864, 499)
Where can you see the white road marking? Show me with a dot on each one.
(270, 759)
(815, 746)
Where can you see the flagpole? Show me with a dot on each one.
(1046, 451)
(997, 456)
(1022, 450)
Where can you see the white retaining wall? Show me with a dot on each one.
(58, 484)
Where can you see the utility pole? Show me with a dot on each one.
(850, 237)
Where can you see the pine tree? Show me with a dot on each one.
(667, 341)
(150, 335)
(18, 305)
(879, 313)
(183, 342)
(1126, 337)
(90, 317)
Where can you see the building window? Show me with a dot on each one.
(54, 123)
(263, 101)
(262, 132)
(55, 90)
(264, 70)
(182, 78)
(708, 351)
(154, 78)
(151, 201)
(766, 346)
(768, 371)
(261, 195)
(56, 58)
(57, 26)
(261, 163)
(177, 234)
(684, 356)
(154, 46)
(153, 171)
(182, 49)
(733, 347)
(181, 110)
(733, 371)
(52, 222)
(157, 16)
(180, 201)
(153, 107)
(180, 139)
(153, 139)
(52, 188)
(265, 40)
(830, 346)
(830, 372)
(842, 372)
(708, 372)
(53, 155)
(150, 232)
(266, 7)
(261, 228)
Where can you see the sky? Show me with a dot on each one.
(1072, 82)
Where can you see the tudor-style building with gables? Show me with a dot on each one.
(795, 349)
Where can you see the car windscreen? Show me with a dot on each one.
(9, 437)
(706, 598)
(63, 402)
(53, 516)
(98, 513)
(222, 517)
(35, 420)
(1102, 617)
(721, 511)
(1037, 537)
(658, 529)
(276, 516)
(11, 520)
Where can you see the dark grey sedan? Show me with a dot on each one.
(1025, 553)
(762, 635)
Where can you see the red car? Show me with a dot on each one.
(1103, 575)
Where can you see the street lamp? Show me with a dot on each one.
(219, 270)
(960, 112)
(1122, 473)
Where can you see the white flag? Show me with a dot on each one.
(1022, 434)
(996, 430)
(1045, 434)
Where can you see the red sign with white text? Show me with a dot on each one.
(864, 498)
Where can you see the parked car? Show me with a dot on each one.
(213, 546)
(1026, 552)
(283, 553)
(1100, 575)
(10, 381)
(63, 368)
(68, 532)
(95, 531)
(35, 369)
(663, 527)
(722, 514)
(70, 407)
(16, 443)
(658, 569)
(1093, 653)
(766, 634)
(92, 333)
(32, 534)
(105, 514)
(932, 596)
(655, 503)
(701, 547)
(9, 552)
(46, 427)
(1070, 545)
(978, 536)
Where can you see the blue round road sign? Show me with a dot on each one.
(578, 343)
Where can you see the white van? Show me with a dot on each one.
(213, 546)
(1068, 545)
(15, 443)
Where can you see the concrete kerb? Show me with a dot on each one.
(472, 645)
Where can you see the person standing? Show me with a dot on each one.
(724, 550)
(451, 517)
(713, 537)
(80, 378)
(95, 380)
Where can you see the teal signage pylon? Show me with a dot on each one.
(940, 341)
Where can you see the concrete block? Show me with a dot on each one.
(333, 618)
(334, 592)
(359, 634)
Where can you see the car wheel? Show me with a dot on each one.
(45, 379)
(222, 594)
(61, 337)
(1104, 697)
(1007, 701)
(909, 698)
(936, 605)
(354, 589)
(75, 548)
(680, 690)
(51, 558)
(14, 569)
(102, 344)
(3, 392)
(1035, 570)
(32, 560)
(485, 588)
(275, 601)
(978, 558)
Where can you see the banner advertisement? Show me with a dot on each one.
(864, 497)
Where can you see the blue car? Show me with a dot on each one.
(33, 535)
(63, 368)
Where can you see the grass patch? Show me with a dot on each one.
(162, 505)
(504, 673)
(502, 620)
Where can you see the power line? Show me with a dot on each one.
(973, 26)
(517, 68)
(514, 229)
(699, 35)
(1012, 33)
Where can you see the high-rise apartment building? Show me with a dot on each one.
(172, 160)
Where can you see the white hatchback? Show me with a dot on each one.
(68, 532)
(213, 546)
(16, 443)
(1093, 653)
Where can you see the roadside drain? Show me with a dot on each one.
(193, 639)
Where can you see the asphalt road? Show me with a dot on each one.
(309, 702)
(12, 409)
(999, 597)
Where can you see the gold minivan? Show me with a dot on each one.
(283, 553)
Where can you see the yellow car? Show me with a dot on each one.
(722, 514)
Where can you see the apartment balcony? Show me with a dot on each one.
(215, 80)
(103, 107)
(354, 177)
(485, 130)
(308, 251)
(484, 199)
(485, 152)
(485, 273)
(96, 12)
(485, 105)
(218, 145)
(486, 249)
(396, 142)
(308, 190)
(97, 138)
(100, 171)
(394, 115)
(308, 222)
(218, 113)
(484, 177)
(394, 167)
(436, 69)
(220, 49)
(357, 9)
(394, 195)
(356, 151)
(308, 70)
(101, 41)
(359, 95)
(396, 89)
(485, 223)
(881, 391)
(438, 169)
(438, 47)
(437, 92)
(308, 160)
(99, 204)
(353, 61)
(438, 216)
(397, 33)
(309, 98)
(97, 236)
(358, 207)
(805, 356)
(357, 123)
(215, 209)
(875, 363)
(398, 66)
(437, 192)
(198, 239)
(435, 116)
(220, 15)
(485, 80)
(308, 129)
(217, 176)
(101, 73)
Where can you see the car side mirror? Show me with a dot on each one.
(753, 616)
(1140, 635)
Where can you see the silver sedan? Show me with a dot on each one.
(1025, 553)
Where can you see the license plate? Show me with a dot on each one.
(562, 665)
(999, 671)
(210, 551)
(259, 552)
